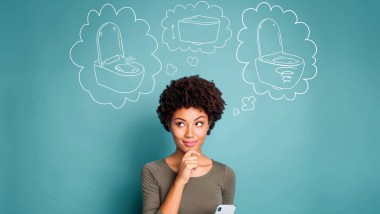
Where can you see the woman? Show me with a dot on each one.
(187, 181)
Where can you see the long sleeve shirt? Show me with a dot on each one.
(200, 195)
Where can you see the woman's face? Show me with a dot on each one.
(189, 128)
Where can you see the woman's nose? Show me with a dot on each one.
(189, 132)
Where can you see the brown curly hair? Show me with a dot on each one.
(192, 91)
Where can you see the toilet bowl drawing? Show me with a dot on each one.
(274, 67)
(113, 70)
(199, 29)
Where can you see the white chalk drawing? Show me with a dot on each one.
(277, 51)
(235, 112)
(209, 26)
(171, 69)
(193, 61)
(200, 27)
(116, 72)
(276, 68)
(116, 56)
(248, 103)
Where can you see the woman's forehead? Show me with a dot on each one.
(190, 113)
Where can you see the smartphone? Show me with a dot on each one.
(225, 209)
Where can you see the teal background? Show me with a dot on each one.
(61, 152)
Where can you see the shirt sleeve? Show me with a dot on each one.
(150, 191)
(228, 192)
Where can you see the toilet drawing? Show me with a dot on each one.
(274, 67)
(199, 29)
(112, 69)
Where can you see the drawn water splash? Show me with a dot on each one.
(173, 37)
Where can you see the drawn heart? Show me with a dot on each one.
(193, 61)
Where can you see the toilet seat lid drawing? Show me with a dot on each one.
(102, 32)
(272, 43)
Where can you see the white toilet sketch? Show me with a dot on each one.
(116, 72)
(275, 67)
(199, 27)
(208, 28)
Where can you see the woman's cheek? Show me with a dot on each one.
(178, 133)
(201, 133)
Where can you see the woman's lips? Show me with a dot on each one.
(190, 143)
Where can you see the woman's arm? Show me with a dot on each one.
(188, 165)
(150, 190)
(228, 192)
(173, 199)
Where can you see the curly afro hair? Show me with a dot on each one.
(192, 91)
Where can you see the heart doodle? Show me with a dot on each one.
(193, 61)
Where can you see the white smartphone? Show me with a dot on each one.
(225, 209)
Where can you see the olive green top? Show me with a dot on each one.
(201, 195)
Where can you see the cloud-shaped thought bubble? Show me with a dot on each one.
(115, 55)
(278, 54)
(248, 103)
(201, 27)
(235, 112)
(171, 69)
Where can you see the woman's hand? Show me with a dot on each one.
(188, 165)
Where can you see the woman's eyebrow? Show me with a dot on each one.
(199, 117)
(178, 118)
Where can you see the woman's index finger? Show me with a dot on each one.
(190, 153)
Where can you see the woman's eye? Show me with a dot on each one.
(199, 124)
(180, 124)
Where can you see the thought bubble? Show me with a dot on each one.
(115, 55)
(235, 112)
(248, 103)
(171, 69)
(278, 54)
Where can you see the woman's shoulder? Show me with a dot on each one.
(157, 171)
(157, 167)
(225, 173)
(154, 165)
(222, 168)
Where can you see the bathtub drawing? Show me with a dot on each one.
(113, 70)
(199, 29)
(275, 67)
